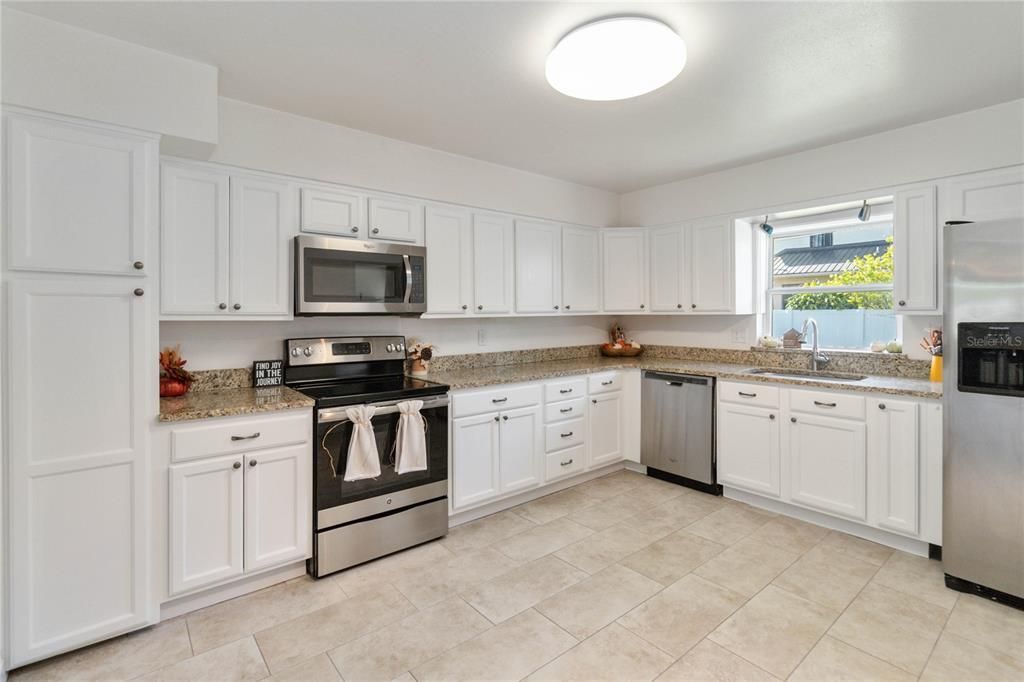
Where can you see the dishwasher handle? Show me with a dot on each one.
(678, 379)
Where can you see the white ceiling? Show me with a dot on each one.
(762, 79)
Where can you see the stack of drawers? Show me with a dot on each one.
(565, 426)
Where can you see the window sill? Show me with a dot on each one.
(852, 351)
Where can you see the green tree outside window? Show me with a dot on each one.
(869, 269)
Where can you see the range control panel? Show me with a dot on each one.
(340, 349)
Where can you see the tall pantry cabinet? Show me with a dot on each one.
(79, 380)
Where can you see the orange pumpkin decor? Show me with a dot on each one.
(175, 380)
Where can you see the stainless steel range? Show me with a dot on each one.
(359, 520)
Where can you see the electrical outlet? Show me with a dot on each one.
(481, 337)
(739, 335)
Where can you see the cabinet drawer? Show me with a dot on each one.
(605, 382)
(564, 435)
(241, 435)
(749, 394)
(564, 463)
(501, 398)
(565, 389)
(831, 404)
(567, 409)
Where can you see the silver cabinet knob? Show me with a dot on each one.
(355, 229)
(693, 305)
(138, 292)
(556, 307)
(679, 305)
(237, 306)
(641, 306)
(252, 463)
(464, 307)
(479, 307)
(505, 417)
(138, 265)
(902, 302)
(496, 417)
(223, 306)
(793, 419)
(772, 417)
(881, 406)
(567, 306)
(236, 465)
(376, 230)
(307, 351)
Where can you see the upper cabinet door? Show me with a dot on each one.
(333, 210)
(915, 251)
(492, 263)
(538, 266)
(667, 269)
(992, 195)
(262, 224)
(193, 241)
(581, 269)
(396, 220)
(449, 260)
(81, 198)
(625, 269)
(710, 260)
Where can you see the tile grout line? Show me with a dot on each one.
(945, 623)
(266, 663)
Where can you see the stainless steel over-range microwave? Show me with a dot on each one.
(338, 276)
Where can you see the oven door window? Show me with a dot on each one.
(331, 276)
(332, 443)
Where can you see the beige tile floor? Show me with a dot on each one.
(621, 578)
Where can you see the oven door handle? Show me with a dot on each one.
(338, 414)
(408, 277)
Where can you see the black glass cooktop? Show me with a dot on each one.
(370, 390)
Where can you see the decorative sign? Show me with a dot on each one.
(267, 373)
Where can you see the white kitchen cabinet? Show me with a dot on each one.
(669, 270)
(80, 374)
(395, 219)
(828, 464)
(193, 240)
(206, 521)
(894, 457)
(538, 264)
(81, 198)
(521, 449)
(261, 227)
(710, 264)
(991, 195)
(749, 448)
(493, 256)
(624, 270)
(475, 448)
(337, 211)
(606, 421)
(915, 251)
(449, 241)
(581, 269)
(276, 515)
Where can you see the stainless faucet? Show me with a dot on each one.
(817, 357)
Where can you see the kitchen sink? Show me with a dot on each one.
(804, 374)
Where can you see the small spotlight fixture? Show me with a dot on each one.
(766, 228)
(864, 214)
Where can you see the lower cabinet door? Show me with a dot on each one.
(748, 448)
(828, 464)
(521, 447)
(277, 506)
(205, 523)
(474, 459)
(605, 428)
(894, 450)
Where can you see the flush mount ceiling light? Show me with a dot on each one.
(616, 58)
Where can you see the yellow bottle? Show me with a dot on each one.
(936, 374)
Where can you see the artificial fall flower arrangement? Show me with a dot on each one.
(420, 354)
(175, 380)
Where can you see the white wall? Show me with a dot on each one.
(59, 68)
(256, 137)
(222, 345)
(992, 137)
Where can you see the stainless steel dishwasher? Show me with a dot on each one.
(678, 429)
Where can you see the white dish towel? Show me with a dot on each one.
(363, 459)
(411, 452)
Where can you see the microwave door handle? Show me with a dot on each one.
(408, 277)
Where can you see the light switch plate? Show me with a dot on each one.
(481, 337)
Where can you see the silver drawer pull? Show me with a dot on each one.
(566, 462)
(821, 404)
(565, 435)
(565, 410)
(499, 400)
(748, 395)
(249, 437)
(607, 383)
(565, 390)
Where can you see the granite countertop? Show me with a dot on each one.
(229, 402)
(538, 371)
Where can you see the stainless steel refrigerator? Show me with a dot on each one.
(983, 410)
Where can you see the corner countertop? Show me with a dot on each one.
(458, 379)
(230, 402)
